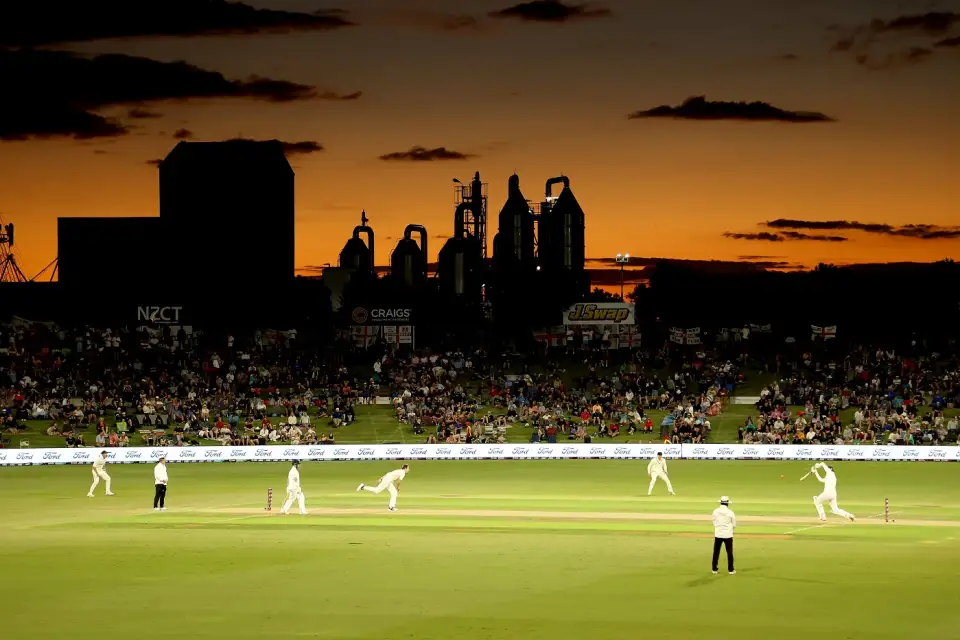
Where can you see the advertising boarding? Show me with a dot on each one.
(594, 313)
(526, 451)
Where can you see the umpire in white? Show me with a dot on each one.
(724, 522)
(160, 484)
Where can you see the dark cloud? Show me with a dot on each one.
(183, 134)
(894, 59)
(784, 236)
(611, 277)
(551, 11)
(640, 268)
(59, 21)
(434, 20)
(138, 113)
(458, 23)
(51, 94)
(422, 154)
(863, 41)
(933, 22)
(749, 258)
(699, 108)
(333, 95)
(918, 231)
(301, 148)
(844, 44)
(789, 57)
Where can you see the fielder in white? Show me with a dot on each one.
(829, 494)
(658, 469)
(100, 473)
(388, 482)
(294, 491)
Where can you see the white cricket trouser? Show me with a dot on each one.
(831, 499)
(96, 479)
(294, 494)
(389, 487)
(653, 480)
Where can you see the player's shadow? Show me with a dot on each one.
(707, 579)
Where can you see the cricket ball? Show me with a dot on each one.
(781, 476)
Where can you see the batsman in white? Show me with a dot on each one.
(829, 494)
(658, 469)
(293, 490)
(100, 473)
(388, 482)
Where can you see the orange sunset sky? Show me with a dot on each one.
(541, 89)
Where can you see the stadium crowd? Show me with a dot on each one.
(178, 388)
(897, 400)
(172, 388)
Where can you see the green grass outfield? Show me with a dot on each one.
(479, 549)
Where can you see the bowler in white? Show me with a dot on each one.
(829, 494)
(294, 491)
(99, 471)
(658, 469)
(388, 482)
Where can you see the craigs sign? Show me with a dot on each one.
(599, 313)
(378, 315)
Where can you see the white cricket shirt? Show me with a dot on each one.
(657, 465)
(724, 522)
(160, 474)
(99, 463)
(829, 481)
(395, 476)
(293, 479)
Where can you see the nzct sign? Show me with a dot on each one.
(159, 315)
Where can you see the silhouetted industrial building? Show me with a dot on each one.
(408, 262)
(561, 239)
(462, 260)
(357, 256)
(538, 252)
(541, 246)
(117, 252)
(230, 206)
(514, 245)
(226, 221)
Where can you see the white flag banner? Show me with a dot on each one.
(693, 335)
(825, 333)
(364, 335)
(677, 335)
(629, 337)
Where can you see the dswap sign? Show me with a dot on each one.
(600, 313)
(159, 315)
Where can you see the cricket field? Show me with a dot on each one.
(480, 549)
